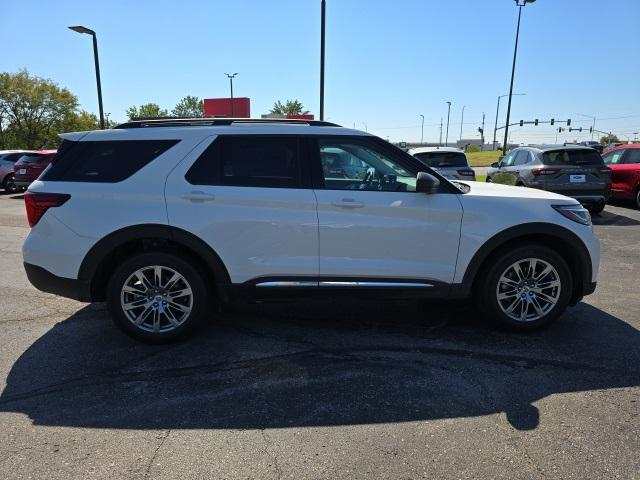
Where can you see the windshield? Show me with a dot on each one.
(442, 159)
(572, 157)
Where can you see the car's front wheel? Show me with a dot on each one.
(157, 297)
(525, 288)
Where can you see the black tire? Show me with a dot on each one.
(638, 199)
(198, 302)
(487, 284)
(596, 208)
(488, 180)
(9, 184)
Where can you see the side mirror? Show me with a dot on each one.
(427, 183)
(495, 165)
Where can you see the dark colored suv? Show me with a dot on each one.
(575, 171)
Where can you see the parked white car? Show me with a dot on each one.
(163, 219)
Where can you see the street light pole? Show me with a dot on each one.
(422, 131)
(323, 8)
(231, 76)
(446, 141)
(88, 31)
(495, 125)
(462, 122)
(520, 4)
(440, 143)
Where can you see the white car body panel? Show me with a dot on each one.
(402, 235)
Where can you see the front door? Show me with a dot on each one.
(373, 225)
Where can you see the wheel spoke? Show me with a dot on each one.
(543, 274)
(546, 298)
(546, 285)
(518, 271)
(509, 294)
(171, 317)
(157, 276)
(179, 307)
(537, 307)
(179, 293)
(156, 320)
(532, 268)
(135, 304)
(139, 320)
(174, 278)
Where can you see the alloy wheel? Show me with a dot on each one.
(156, 299)
(528, 289)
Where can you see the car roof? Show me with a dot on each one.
(621, 147)
(413, 151)
(549, 148)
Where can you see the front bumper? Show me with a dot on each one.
(46, 281)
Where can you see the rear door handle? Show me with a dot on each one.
(348, 203)
(198, 197)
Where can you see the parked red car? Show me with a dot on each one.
(30, 166)
(624, 162)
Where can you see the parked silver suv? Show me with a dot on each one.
(449, 162)
(574, 171)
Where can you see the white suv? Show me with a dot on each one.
(166, 219)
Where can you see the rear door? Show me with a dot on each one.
(619, 173)
(249, 198)
(575, 172)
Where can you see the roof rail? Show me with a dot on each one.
(213, 121)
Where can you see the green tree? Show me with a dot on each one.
(188, 107)
(34, 110)
(471, 148)
(290, 107)
(146, 110)
(607, 139)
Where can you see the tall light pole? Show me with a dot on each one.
(520, 4)
(323, 16)
(462, 122)
(446, 141)
(422, 131)
(88, 31)
(440, 143)
(231, 76)
(495, 126)
(593, 127)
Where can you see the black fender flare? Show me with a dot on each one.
(108, 244)
(550, 230)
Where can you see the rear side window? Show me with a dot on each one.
(103, 161)
(33, 158)
(522, 158)
(442, 159)
(249, 161)
(632, 156)
(572, 157)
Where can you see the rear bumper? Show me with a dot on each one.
(46, 281)
(22, 183)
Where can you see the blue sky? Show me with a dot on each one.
(387, 61)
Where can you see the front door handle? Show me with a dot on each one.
(348, 203)
(198, 197)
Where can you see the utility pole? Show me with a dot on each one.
(323, 8)
(440, 143)
(422, 131)
(482, 135)
(462, 122)
(231, 76)
(520, 4)
(446, 141)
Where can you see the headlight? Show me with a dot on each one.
(576, 213)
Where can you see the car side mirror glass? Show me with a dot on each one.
(495, 165)
(427, 183)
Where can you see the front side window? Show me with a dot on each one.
(613, 158)
(249, 161)
(522, 158)
(353, 165)
(508, 160)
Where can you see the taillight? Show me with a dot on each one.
(466, 172)
(38, 203)
(544, 171)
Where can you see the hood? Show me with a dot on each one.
(483, 189)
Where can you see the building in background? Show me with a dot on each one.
(237, 107)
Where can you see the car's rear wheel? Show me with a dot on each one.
(488, 180)
(9, 184)
(157, 297)
(525, 288)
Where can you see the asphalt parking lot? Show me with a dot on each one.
(362, 390)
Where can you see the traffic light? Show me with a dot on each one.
(569, 123)
(521, 123)
(535, 122)
(480, 130)
(553, 121)
(560, 129)
(580, 129)
(590, 129)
